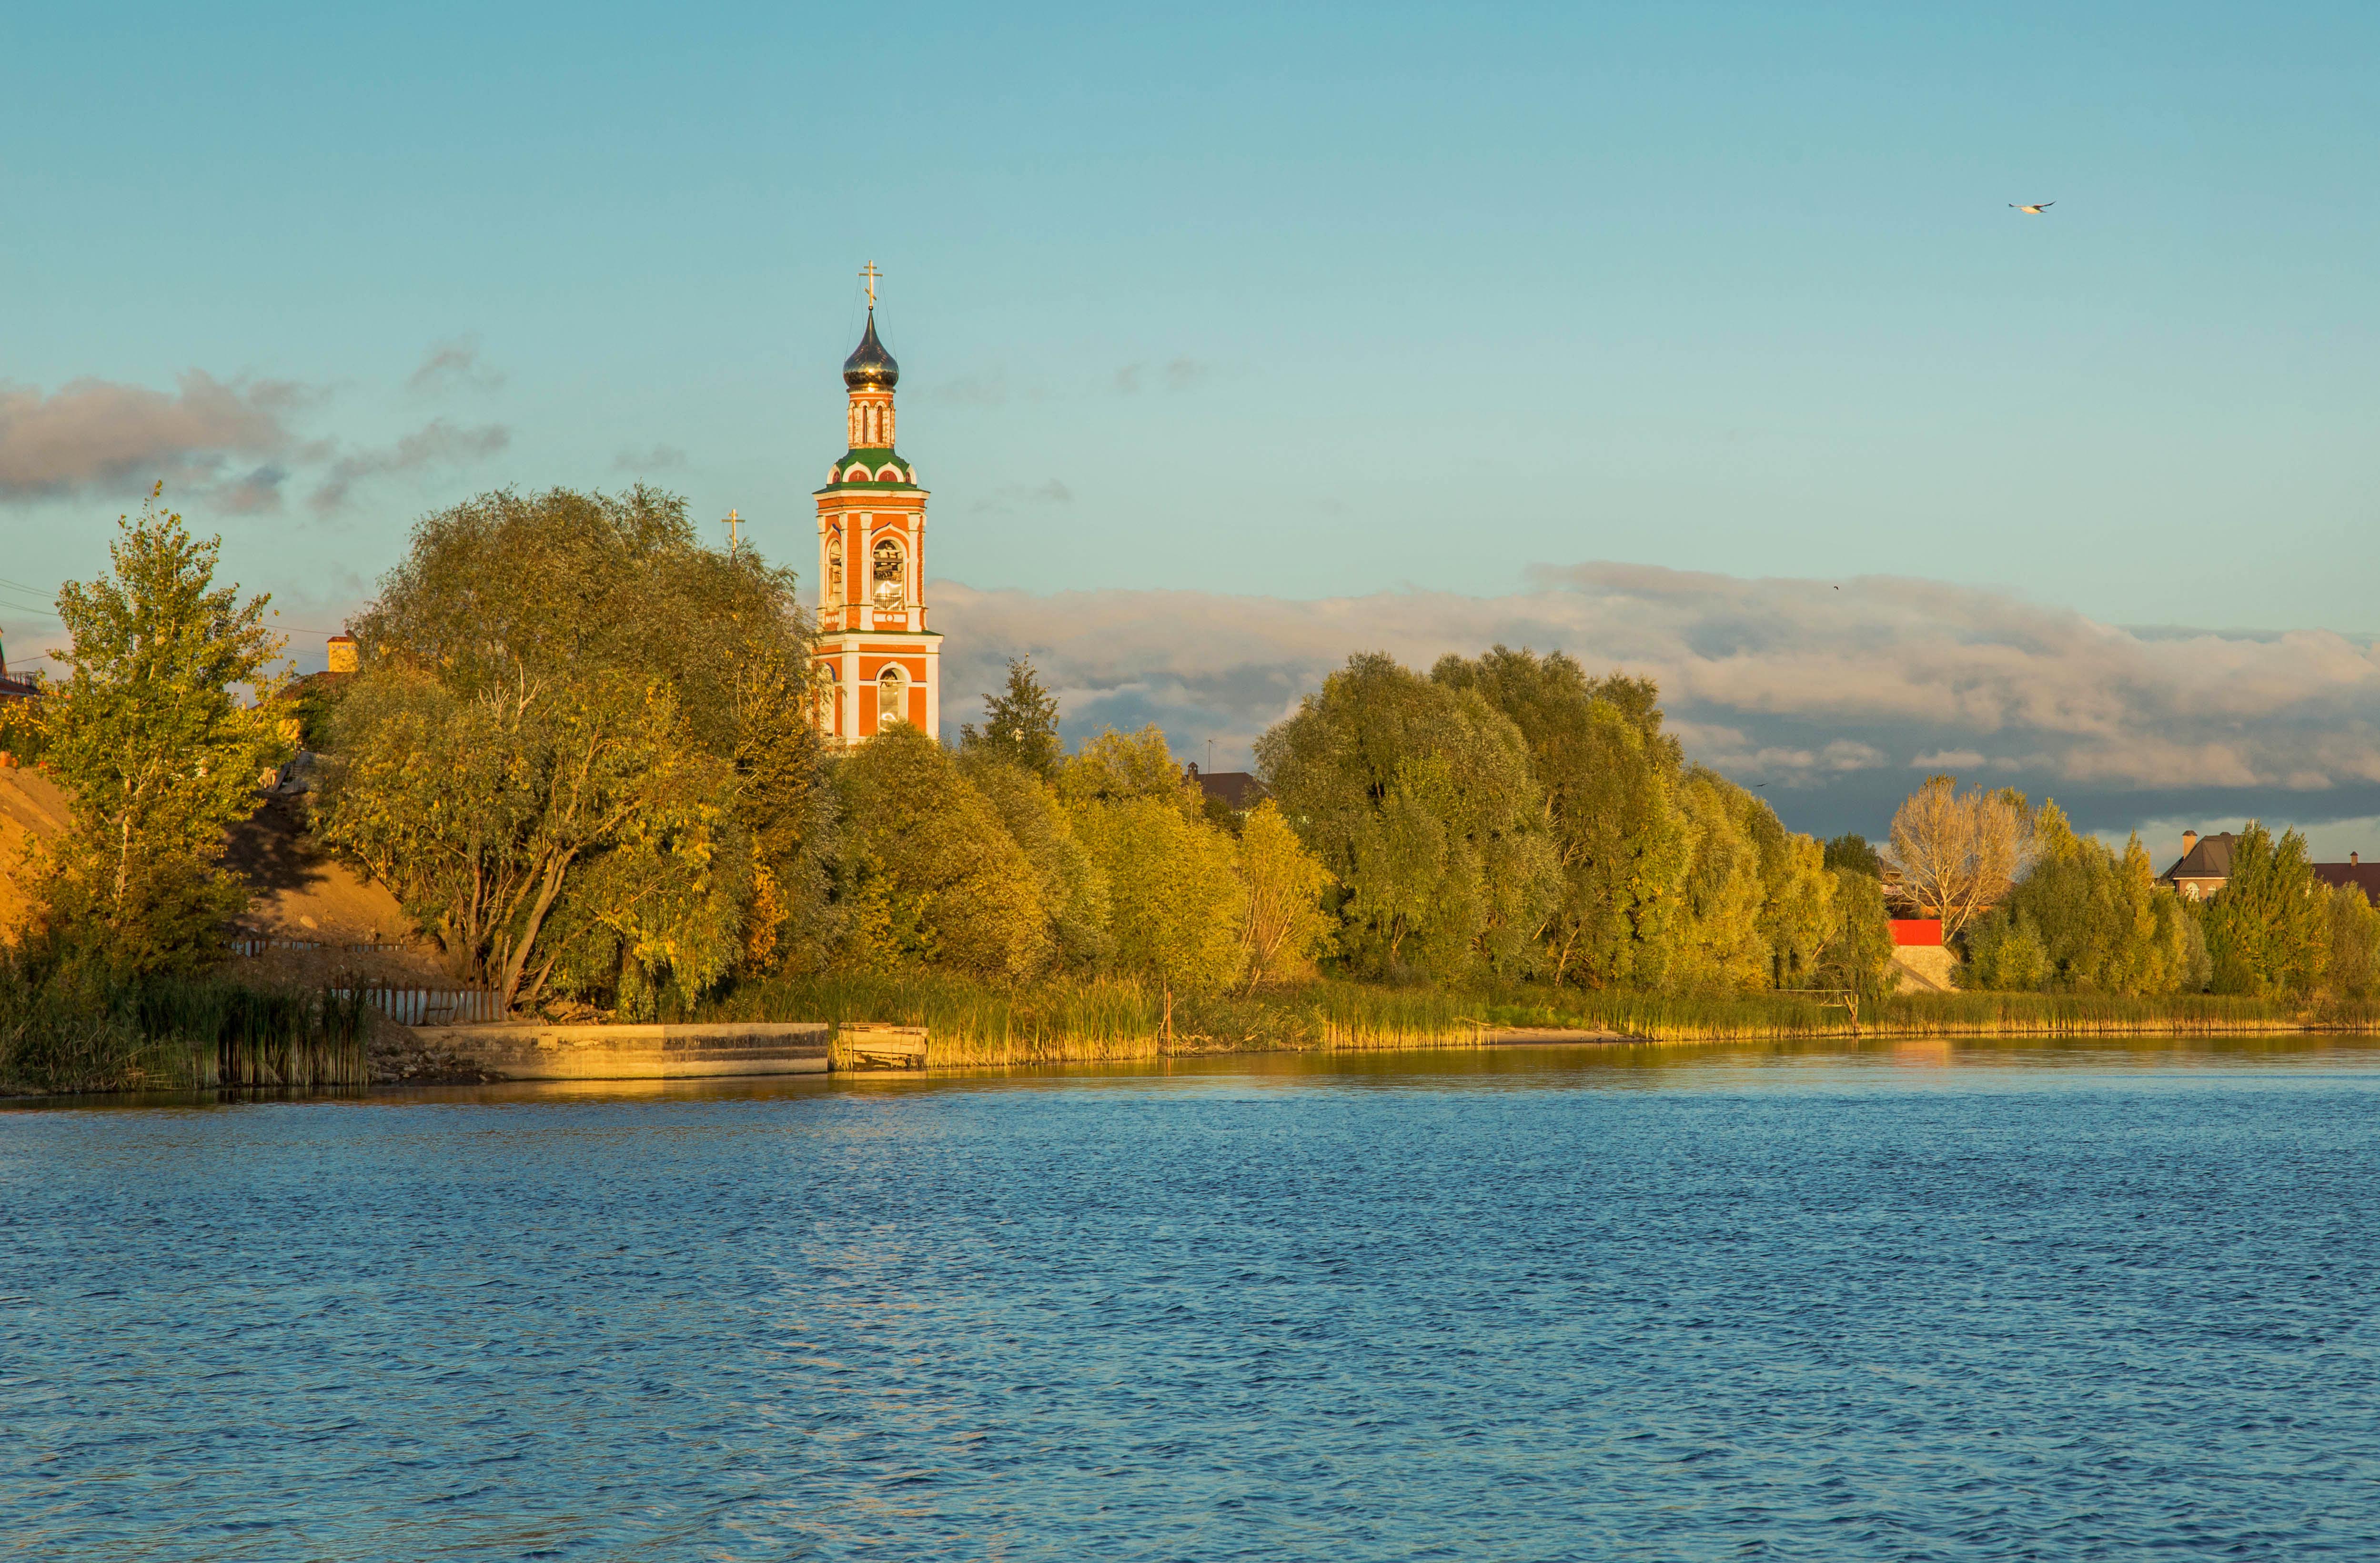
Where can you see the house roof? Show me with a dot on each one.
(2210, 859)
(2364, 877)
(18, 688)
(1233, 789)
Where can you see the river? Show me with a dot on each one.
(1916, 1302)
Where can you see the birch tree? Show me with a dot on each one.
(1958, 853)
(156, 752)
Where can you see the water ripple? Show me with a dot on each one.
(1546, 1308)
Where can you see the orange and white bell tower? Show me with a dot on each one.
(878, 661)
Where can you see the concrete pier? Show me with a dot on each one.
(534, 1051)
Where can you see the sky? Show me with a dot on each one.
(1695, 338)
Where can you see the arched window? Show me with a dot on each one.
(890, 587)
(891, 688)
(835, 569)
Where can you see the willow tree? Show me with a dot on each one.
(1607, 776)
(632, 801)
(1419, 800)
(155, 750)
(1073, 891)
(1177, 911)
(929, 873)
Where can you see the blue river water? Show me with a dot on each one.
(1916, 1302)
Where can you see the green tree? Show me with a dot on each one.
(569, 656)
(1115, 765)
(1858, 954)
(1419, 800)
(154, 750)
(1073, 891)
(1797, 894)
(2265, 928)
(1020, 723)
(1176, 907)
(564, 836)
(2085, 919)
(1720, 947)
(2351, 942)
(1851, 849)
(1607, 774)
(2006, 954)
(1286, 928)
(930, 875)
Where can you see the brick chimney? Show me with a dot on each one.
(2188, 839)
(2354, 858)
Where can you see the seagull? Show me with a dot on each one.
(2031, 211)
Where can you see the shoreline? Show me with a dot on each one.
(404, 1057)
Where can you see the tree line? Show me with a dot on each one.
(581, 754)
(2035, 907)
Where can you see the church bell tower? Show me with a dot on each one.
(878, 661)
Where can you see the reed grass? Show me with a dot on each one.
(63, 1036)
(968, 1022)
(974, 1025)
(1108, 1019)
(1787, 1017)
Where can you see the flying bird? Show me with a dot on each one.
(2034, 210)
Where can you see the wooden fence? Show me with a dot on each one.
(430, 1006)
(257, 944)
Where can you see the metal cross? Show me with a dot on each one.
(868, 277)
(734, 522)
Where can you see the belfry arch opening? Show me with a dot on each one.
(890, 572)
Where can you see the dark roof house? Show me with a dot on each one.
(2364, 876)
(1235, 789)
(2204, 866)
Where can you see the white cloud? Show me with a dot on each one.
(657, 458)
(211, 437)
(1835, 694)
(453, 366)
(435, 444)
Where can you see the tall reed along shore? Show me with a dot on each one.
(972, 1025)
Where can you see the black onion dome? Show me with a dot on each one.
(869, 364)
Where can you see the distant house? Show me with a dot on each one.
(2364, 876)
(1235, 789)
(2204, 866)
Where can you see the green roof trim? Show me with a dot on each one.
(875, 457)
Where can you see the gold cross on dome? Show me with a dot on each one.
(734, 524)
(868, 277)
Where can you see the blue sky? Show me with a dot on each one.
(1280, 300)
